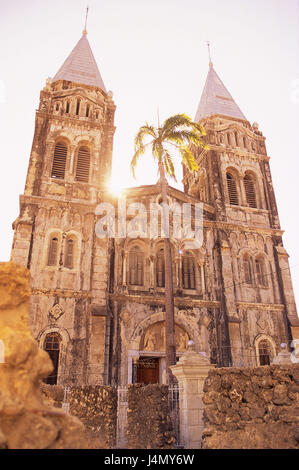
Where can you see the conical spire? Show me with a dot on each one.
(80, 66)
(216, 99)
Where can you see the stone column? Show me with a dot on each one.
(202, 276)
(125, 268)
(191, 372)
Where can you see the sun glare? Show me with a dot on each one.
(115, 189)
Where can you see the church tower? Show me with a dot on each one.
(69, 167)
(253, 281)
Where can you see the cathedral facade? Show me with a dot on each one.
(97, 303)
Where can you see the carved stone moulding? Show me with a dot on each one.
(56, 311)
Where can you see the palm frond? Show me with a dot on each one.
(199, 127)
(168, 165)
(178, 130)
(144, 132)
(185, 137)
(140, 151)
(189, 159)
(178, 120)
(157, 149)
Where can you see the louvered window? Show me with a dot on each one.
(232, 190)
(188, 272)
(136, 266)
(261, 275)
(53, 250)
(69, 254)
(59, 161)
(83, 163)
(250, 191)
(264, 353)
(160, 269)
(247, 269)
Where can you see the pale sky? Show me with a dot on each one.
(153, 54)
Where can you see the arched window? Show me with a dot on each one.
(250, 190)
(83, 163)
(232, 189)
(136, 263)
(247, 263)
(236, 138)
(59, 161)
(264, 351)
(229, 139)
(53, 252)
(69, 253)
(260, 271)
(78, 107)
(188, 272)
(52, 346)
(160, 269)
(87, 110)
(67, 107)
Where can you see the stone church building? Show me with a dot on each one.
(97, 304)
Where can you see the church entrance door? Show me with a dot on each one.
(148, 370)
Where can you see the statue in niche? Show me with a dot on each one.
(154, 338)
(149, 341)
(181, 340)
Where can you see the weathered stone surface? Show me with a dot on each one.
(264, 414)
(253, 436)
(54, 394)
(96, 406)
(27, 422)
(149, 423)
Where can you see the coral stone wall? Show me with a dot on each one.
(53, 394)
(96, 407)
(149, 423)
(252, 408)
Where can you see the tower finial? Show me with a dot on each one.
(210, 61)
(85, 30)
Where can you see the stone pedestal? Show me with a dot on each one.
(285, 357)
(191, 372)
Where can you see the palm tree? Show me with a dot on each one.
(182, 133)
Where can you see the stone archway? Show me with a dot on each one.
(151, 365)
(63, 347)
(146, 348)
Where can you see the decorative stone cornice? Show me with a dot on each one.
(246, 305)
(245, 228)
(71, 121)
(239, 153)
(38, 200)
(157, 300)
(66, 293)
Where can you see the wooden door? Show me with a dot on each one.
(148, 371)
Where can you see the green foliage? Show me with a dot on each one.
(179, 131)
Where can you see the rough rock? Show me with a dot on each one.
(27, 422)
(149, 423)
(255, 408)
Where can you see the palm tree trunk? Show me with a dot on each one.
(169, 302)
